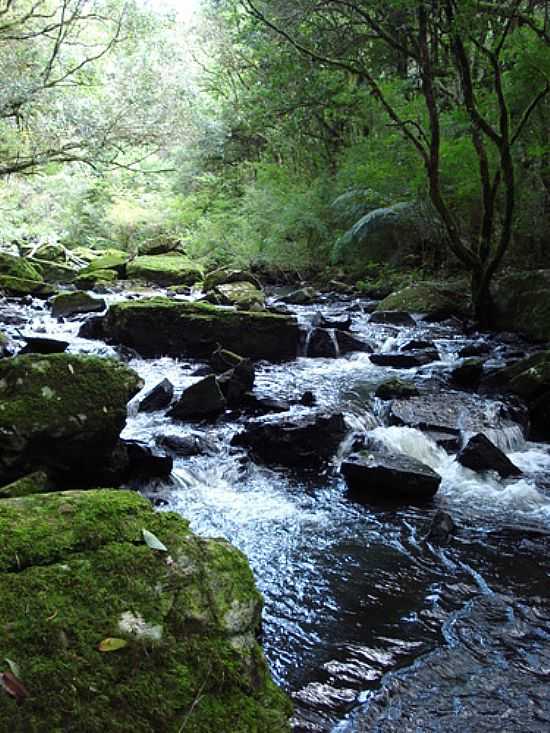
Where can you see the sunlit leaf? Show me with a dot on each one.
(14, 667)
(112, 645)
(153, 542)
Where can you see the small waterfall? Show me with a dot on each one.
(334, 340)
(307, 340)
(389, 344)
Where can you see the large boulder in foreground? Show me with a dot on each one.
(479, 454)
(433, 300)
(522, 303)
(78, 570)
(383, 477)
(161, 326)
(164, 270)
(62, 412)
(305, 440)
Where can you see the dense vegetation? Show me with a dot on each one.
(301, 136)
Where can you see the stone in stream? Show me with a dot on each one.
(194, 444)
(435, 301)
(469, 373)
(299, 441)
(164, 269)
(145, 462)
(392, 318)
(263, 405)
(161, 326)
(5, 346)
(236, 382)
(92, 328)
(383, 477)
(93, 279)
(480, 454)
(229, 276)
(441, 529)
(341, 322)
(43, 345)
(222, 360)
(202, 401)
(242, 295)
(416, 344)
(78, 568)
(61, 412)
(109, 259)
(392, 388)
(76, 303)
(348, 342)
(478, 349)
(159, 397)
(303, 296)
(19, 277)
(404, 359)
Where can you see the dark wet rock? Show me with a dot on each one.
(418, 344)
(342, 323)
(529, 377)
(384, 477)
(404, 359)
(480, 454)
(308, 399)
(222, 360)
(321, 343)
(264, 405)
(448, 441)
(303, 296)
(434, 300)
(478, 349)
(54, 272)
(157, 398)
(161, 326)
(203, 400)
(348, 343)
(6, 348)
(61, 412)
(393, 388)
(392, 318)
(11, 315)
(469, 373)
(76, 303)
(43, 345)
(229, 276)
(146, 462)
(236, 382)
(188, 615)
(450, 412)
(441, 529)
(92, 328)
(192, 444)
(242, 295)
(305, 440)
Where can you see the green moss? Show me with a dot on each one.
(165, 269)
(522, 303)
(75, 566)
(97, 277)
(20, 286)
(78, 301)
(34, 483)
(18, 267)
(227, 275)
(110, 259)
(242, 295)
(529, 377)
(431, 298)
(54, 272)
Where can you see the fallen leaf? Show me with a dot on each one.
(153, 542)
(112, 645)
(14, 667)
(14, 687)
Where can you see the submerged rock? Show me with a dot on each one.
(404, 359)
(164, 270)
(159, 397)
(43, 345)
(76, 570)
(392, 318)
(203, 400)
(392, 388)
(61, 411)
(384, 477)
(305, 440)
(441, 529)
(158, 326)
(480, 454)
(76, 303)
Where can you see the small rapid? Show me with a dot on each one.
(368, 623)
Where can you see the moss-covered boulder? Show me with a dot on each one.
(76, 303)
(54, 272)
(242, 295)
(228, 275)
(62, 412)
(164, 270)
(522, 303)
(109, 259)
(17, 287)
(433, 300)
(35, 483)
(90, 280)
(18, 267)
(5, 346)
(159, 326)
(528, 377)
(75, 571)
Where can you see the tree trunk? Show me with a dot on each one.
(482, 300)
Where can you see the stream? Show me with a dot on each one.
(368, 624)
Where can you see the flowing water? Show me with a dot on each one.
(367, 623)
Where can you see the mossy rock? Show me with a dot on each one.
(17, 286)
(164, 270)
(86, 254)
(228, 275)
(54, 272)
(529, 377)
(109, 259)
(48, 252)
(434, 300)
(242, 295)
(97, 277)
(75, 570)
(5, 347)
(35, 483)
(75, 303)
(158, 326)
(61, 411)
(18, 267)
(522, 303)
